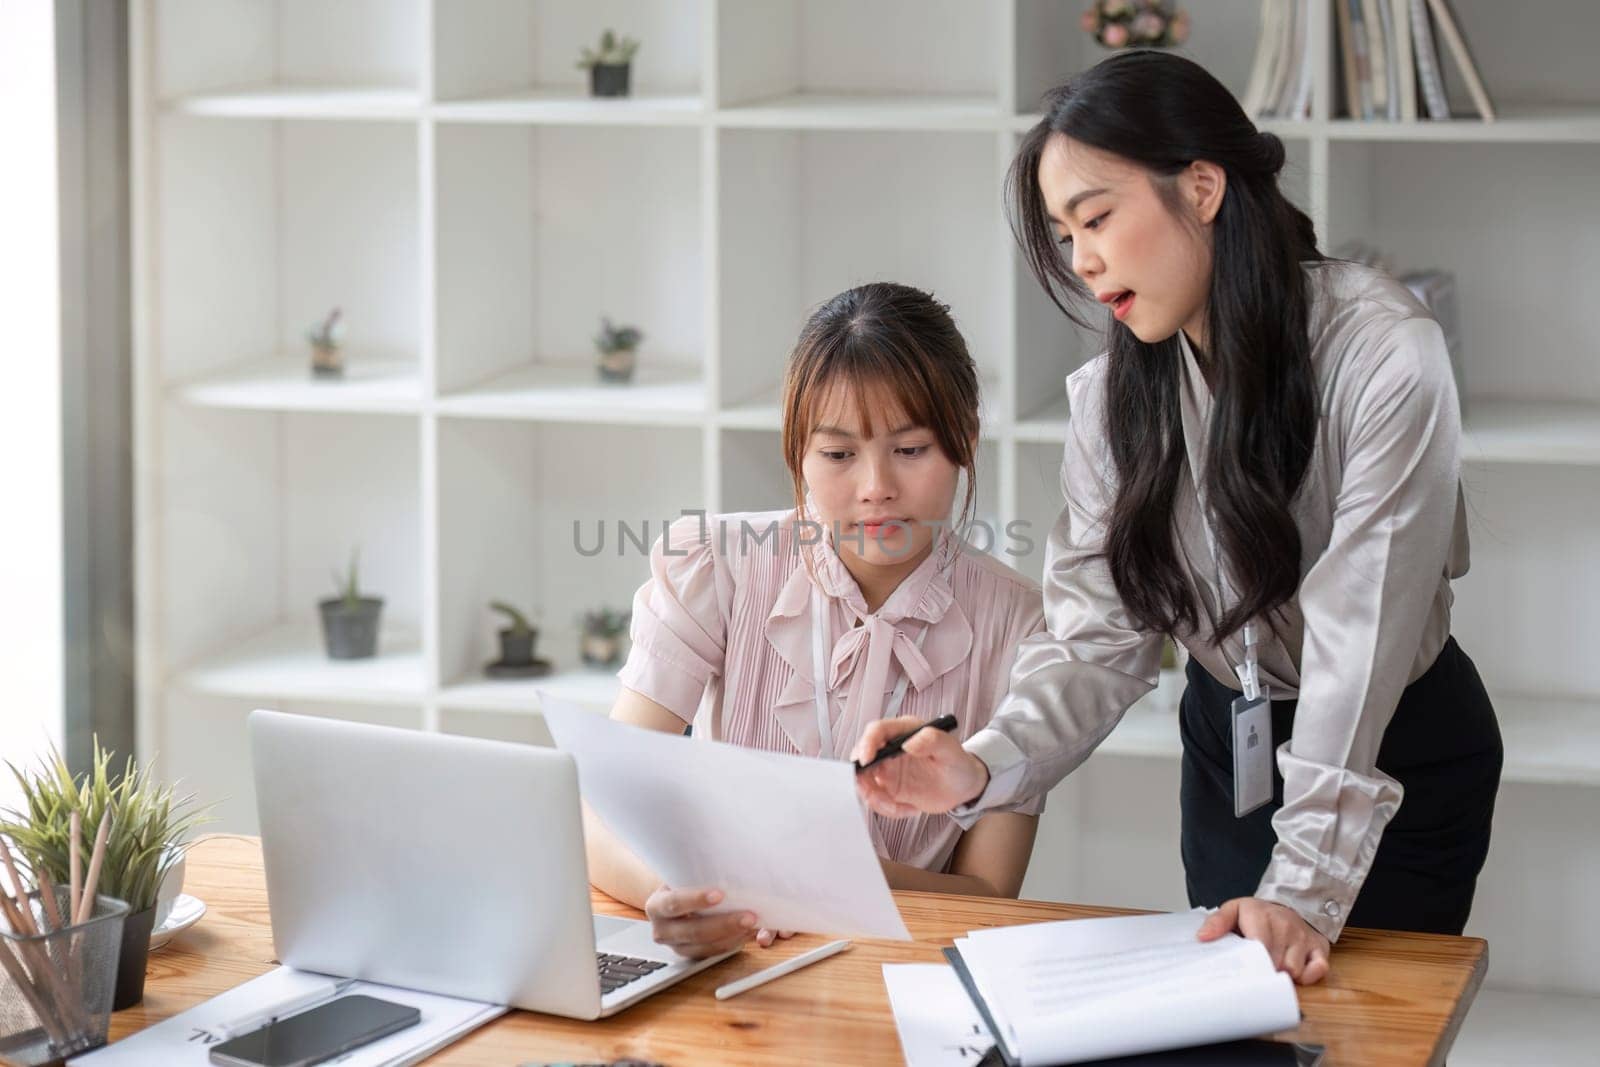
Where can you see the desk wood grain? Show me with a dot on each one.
(1393, 999)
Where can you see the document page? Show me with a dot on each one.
(1093, 988)
(937, 1022)
(783, 836)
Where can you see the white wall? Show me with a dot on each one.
(30, 402)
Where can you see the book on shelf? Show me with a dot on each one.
(1429, 73)
(1391, 61)
(1279, 85)
(1404, 60)
(1450, 30)
(1378, 52)
(1389, 54)
(1361, 45)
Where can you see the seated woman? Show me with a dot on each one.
(864, 578)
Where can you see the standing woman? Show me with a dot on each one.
(1264, 465)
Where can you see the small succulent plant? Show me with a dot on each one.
(614, 51)
(347, 582)
(328, 332)
(617, 338)
(519, 623)
(606, 622)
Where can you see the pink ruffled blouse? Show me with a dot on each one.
(722, 639)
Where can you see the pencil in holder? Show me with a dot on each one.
(56, 984)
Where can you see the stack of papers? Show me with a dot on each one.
(185, 1040)
(1088, 989)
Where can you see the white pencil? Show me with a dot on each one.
(805, 959)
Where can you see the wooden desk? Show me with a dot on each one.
(1392, 999)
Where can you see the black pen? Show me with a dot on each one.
(892, 748)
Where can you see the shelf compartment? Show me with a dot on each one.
(786, 60)
(1051, 46)
(302, 102)
(861, 111)
(1518, 124)
(285, 384)
(555, 107)
(658, 396)
(262, 228)
(495, 57)
(1511, 431)
(596, 690)
(1493, 431)
(807, 214)
(535, 515)
(287, 662)
(367, 52)
(541, 232)
(1547, 741)
(258, 508)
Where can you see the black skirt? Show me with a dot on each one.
(1443, 746)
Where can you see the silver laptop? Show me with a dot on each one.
(445, 864)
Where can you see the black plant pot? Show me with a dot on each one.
(350, 628)
(516, 649)
(609, 79)
(131, 959)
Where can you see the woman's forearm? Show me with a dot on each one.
(905, 876)
(613, 868)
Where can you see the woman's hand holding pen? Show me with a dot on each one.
(1294, 946)
(675, 921)
(933, 772)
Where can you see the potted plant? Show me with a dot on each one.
(609, 65)
(618, 347)
(600, 644)
(350, 620)
(1136, 23)
(517, 641)
(327, 359)
(146, 838)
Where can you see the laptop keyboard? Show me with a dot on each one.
(618, 971)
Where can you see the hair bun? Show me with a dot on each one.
(1269, 152)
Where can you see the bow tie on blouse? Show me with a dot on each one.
(861, 658)
(866, 660)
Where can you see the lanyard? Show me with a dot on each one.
(819, 675)
(1249, 675)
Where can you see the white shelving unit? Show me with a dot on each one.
(436, 168)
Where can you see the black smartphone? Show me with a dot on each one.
(318, 1034)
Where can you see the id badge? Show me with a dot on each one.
(1252, 753)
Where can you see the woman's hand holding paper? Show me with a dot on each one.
(676, 922)
(1294, 946)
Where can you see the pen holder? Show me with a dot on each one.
(55, 988)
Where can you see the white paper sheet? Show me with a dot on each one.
(783, 836)
(938, 1024)
(1097, 988)
(185, 1040)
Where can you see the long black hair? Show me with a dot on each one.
(1163, 112)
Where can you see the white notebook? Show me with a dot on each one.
(1088, 989)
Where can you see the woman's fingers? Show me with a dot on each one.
(677, 922)
(669, 903)
(1294, 945)
(1294, 958)
(1221, 921)
(879, 733)
(704, 934)
(880, 799)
